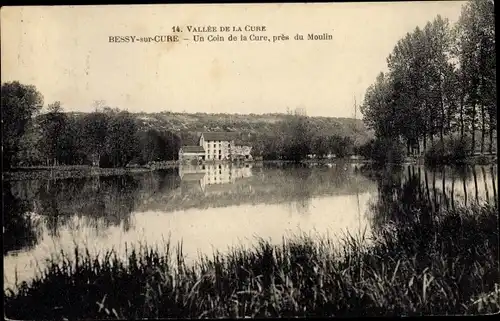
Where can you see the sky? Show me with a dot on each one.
(65, 52)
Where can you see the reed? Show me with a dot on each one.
(433, 263)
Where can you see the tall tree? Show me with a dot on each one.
(476, 51)
(296, 136)
(121, 139)
(95, 132)
(19, 104)
(54, 126)
(376, 108)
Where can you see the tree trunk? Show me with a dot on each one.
(473, 128)
(443, 119)
(436, 206)
(487, 192)
(483, 128)
(462, 124)
(427, 186)
(493, 183)
(425, 142)
(443, 186)
(475, 183)
(465, 188)
(491, 135)
(453, 191)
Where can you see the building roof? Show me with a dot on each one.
(224, 136)
(193, 149)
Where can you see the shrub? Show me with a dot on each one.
(453, 150)
(383, 150)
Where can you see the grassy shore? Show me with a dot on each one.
(443, 262)
(74, 171)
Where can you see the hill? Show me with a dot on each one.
(188, 125)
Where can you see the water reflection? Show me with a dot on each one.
(219, 205)
(404, 187)
(102, 201)
(20, 226)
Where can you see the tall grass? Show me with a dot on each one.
(430, 263)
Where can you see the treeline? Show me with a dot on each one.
(106, 137)
(109, 137)
(439, 94)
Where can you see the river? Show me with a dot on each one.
(212, 207)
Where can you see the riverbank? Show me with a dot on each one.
(477, 159)
(78, 171)
(427, 262)
(67, 172)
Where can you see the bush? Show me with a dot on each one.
(383, 150)
(453, 150)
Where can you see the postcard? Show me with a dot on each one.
(249, 160)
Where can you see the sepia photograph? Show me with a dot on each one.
(280, 160)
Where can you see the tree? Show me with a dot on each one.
(476, 52)
(440, 81)
(296, 137)
(340, 146)
(19, 104)
(121, 143)
(376, 108)
(95, 131)
(320, 146)
(158, 146)
(172, 143)
(55, 139)
(150, 146)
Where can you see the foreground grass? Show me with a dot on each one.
(443, 264)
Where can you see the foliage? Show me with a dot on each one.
(109, 137)
(452, 150)
(297, 137)
(19, 104)
(383, 150)
(158, 146)
(55, 140)
(121, 140)
(441, 81)
(95, 131)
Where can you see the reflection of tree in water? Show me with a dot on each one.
(167, 180)
(101, 201)
(298, 189)
(20, 230)
(397, 197)
(158, 181)
(411, 214)
(294, 185)
(417, 190)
